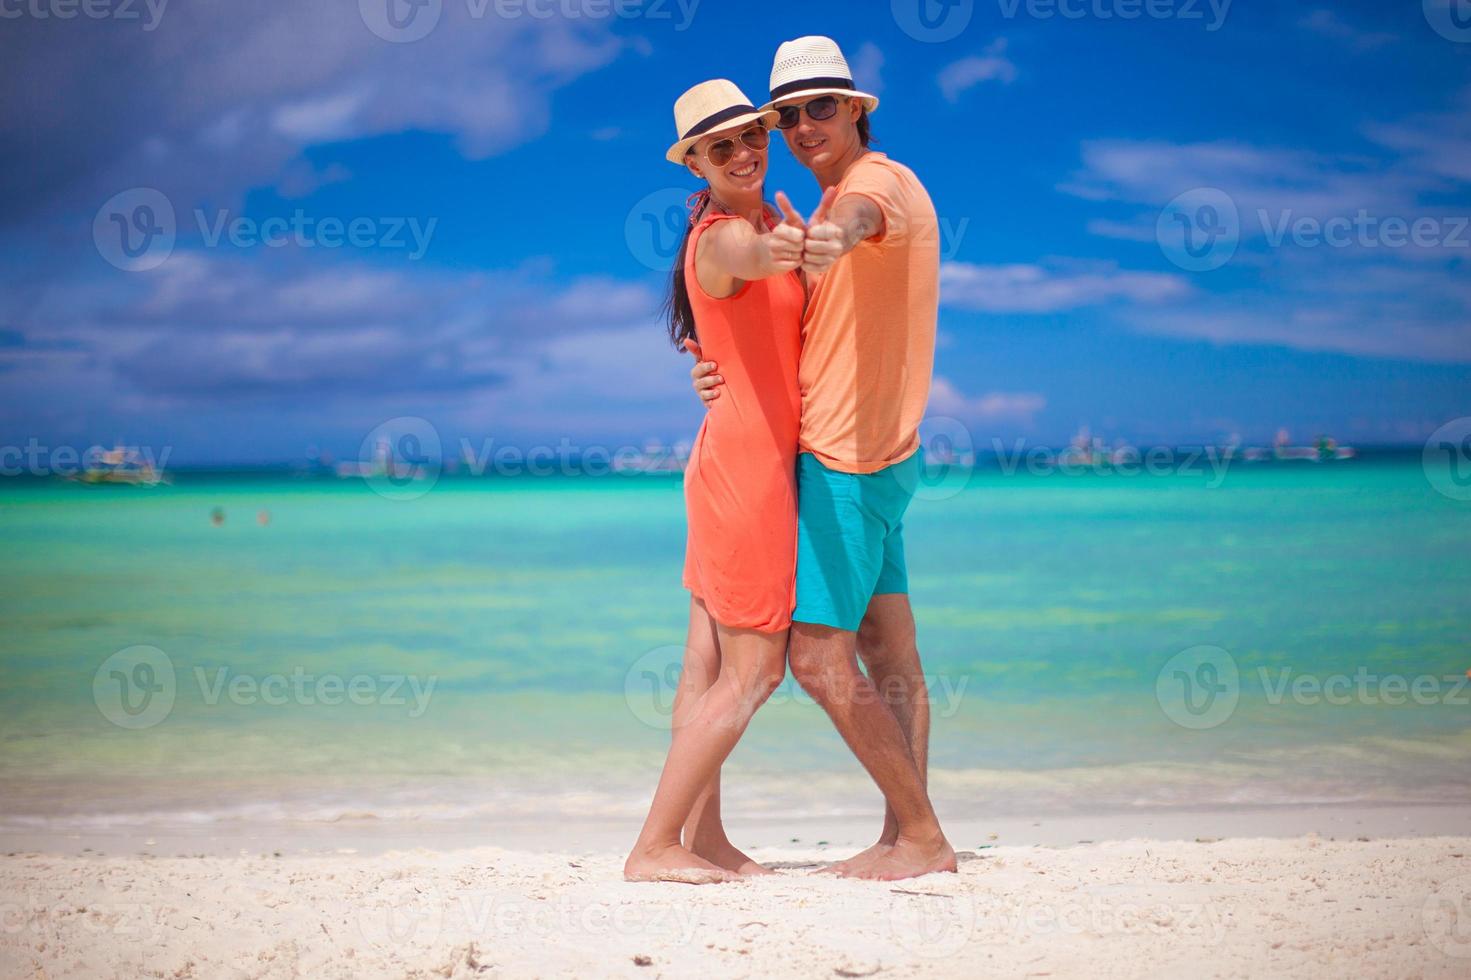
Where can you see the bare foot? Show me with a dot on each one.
(724, 854)
(673, 863)
(849, 865)
(908, 859)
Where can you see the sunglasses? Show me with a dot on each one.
(721, 152)
(820, 108)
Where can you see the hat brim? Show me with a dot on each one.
(678, 150)
(870, 102)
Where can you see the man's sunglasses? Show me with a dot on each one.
(721, 152)
(820, 108)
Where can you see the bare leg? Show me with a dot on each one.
(886, 645)
(823, 660)
(704, 833)
(751, 666)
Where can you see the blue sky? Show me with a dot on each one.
(505, 172)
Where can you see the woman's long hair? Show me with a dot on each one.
(677, 308)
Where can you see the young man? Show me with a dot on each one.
(868, 342)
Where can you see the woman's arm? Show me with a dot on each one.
(732, 252)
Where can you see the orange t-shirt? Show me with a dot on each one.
(868, 337)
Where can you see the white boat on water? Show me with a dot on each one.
(123, 465)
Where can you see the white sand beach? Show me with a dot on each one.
(1299, 906)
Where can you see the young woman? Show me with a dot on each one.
(736, 295)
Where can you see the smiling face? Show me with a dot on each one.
(818, 144)
(741, 176)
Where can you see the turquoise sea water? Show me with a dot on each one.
(1288, 633)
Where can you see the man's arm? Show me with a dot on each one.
(832, 234)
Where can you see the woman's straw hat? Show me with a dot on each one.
(813, 65)
(712, 105)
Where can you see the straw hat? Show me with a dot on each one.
(712, 105)
(813, 65)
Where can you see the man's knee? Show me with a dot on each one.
(886, 654)
(818, 657)
(808, 669)
(886, 636)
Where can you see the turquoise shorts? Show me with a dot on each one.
(850, 538)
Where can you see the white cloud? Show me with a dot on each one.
(947, 399)
(1355, 292)
(213, 328)
(1154, 171)
(1436, 143)
(990, 65)
(1325, 22)
(867, 66)
(318, 120)
(1022, 288)
(1135, 231)
(1366, 331)
(226, 94)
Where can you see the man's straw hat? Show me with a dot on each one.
(813, 65)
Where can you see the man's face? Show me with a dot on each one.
(819, 143)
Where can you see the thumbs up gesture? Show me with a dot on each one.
(824, 244)
(822, 240)
(784, 242)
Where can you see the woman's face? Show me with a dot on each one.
(728, 160)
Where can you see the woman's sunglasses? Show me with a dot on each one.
(820, 108)
(721, 152)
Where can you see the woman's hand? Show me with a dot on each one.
(784, 248)
(822, 241)
(784, 243)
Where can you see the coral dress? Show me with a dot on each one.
(740, 487)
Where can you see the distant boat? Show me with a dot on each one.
(655, 458)
(385, 463)
(1087, 450)
(1324, 449)
(123, 465)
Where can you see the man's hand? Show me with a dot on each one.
(824, 246)
(823, 242)
(707, 383)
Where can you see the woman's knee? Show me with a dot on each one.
(770, 673)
